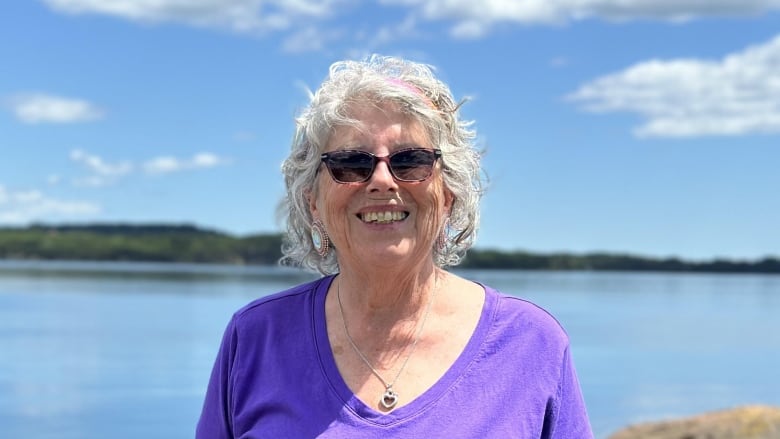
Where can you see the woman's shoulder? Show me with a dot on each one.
(290, 301)
(524, 316)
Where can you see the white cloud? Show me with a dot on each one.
(17, 207)
(469, 29)
(99, 166)
(309, 39)
(103, 173)
(205, 160)
(475, 18)
(304, 19)
(53, 179)
(169, 164)
(738, 94)
(162, 165)
(26, 197)
(42, 108)
(406, 29)
(235, 15)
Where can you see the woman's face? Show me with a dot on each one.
(381, 221)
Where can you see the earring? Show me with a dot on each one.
(320, 238)
(441, 240)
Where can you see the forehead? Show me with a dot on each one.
(378, 126)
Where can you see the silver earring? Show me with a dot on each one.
(320, 238)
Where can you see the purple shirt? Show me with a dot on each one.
(275, 377)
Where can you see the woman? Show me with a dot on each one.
(383, 185)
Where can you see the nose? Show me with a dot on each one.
(382, 179)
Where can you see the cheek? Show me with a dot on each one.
(432, 217)
(336, 223)
(332, 206)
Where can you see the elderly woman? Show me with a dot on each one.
(383, 185)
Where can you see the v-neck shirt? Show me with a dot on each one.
(275, 376)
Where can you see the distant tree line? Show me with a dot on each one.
(188, 243)
(122, 242)
(613, 262)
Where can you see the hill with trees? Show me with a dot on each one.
(188, 243)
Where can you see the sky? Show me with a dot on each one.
(647, 127)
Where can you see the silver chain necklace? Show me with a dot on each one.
(389, 398)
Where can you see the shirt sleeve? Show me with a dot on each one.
(216, 419)
(569, 416)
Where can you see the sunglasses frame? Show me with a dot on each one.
(326, 157)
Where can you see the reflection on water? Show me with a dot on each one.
(124, 350)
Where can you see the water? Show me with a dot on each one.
(124, 350)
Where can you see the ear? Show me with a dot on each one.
(449, 199)
(312, 202)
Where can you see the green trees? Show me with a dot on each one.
(187, 243)
(613, 262)
(117, 242)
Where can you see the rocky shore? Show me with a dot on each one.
(749, 422)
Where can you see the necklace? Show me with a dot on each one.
(389, 398)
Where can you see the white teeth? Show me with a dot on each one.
(383, 217)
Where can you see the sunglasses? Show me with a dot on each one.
(354, 166)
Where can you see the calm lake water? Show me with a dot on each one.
(111, 350)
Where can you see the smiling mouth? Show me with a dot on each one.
(382, 217)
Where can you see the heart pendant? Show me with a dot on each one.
(389, 399)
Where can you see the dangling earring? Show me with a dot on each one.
(320, 238)
(441, 240)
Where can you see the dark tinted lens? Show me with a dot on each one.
(350, 166)
(412, 164)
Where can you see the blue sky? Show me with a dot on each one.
(645, 127)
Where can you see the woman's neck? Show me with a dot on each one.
(383, 299)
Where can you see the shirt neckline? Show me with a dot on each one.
(420, 404)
